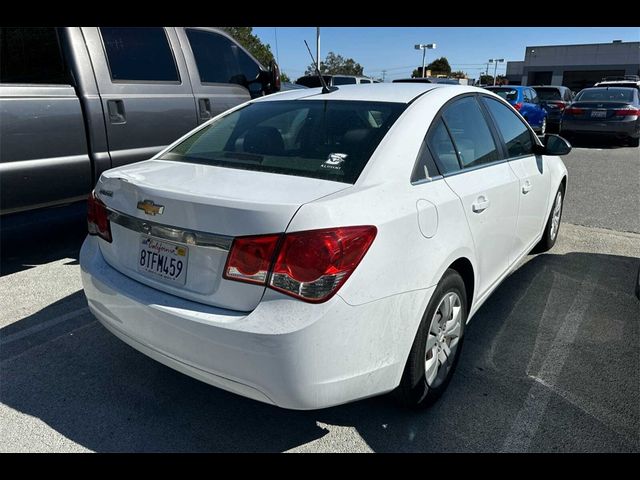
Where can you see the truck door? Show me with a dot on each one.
(144, 87)
(222, 72)
(43, 150)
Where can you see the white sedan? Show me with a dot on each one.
(308, 249)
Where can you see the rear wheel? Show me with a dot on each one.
(634, 142)
(436, 348)
(552, 228)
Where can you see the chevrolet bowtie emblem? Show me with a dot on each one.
(150, 208)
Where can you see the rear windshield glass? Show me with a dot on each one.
(506, 93)
(606, 95)
(312, 82)
(344, 81)
(325, 139)
(548, 93)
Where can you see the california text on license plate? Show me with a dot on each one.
(165, 260)
(599, 113)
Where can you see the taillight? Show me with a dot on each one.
(310, 265)
(559, 104)
(623, 112)
(98, 218)
(574, 111)
(517, 106)
(250, 258)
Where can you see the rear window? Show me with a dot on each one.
(506, 93)
(548, 93)
(606, 95)
(324, 139)
(312, 82)
(344, 81)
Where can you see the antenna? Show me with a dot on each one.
(325, 88)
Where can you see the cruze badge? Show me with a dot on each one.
(334, 160)
(150, 208)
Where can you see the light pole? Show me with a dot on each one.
(424, 47)
(495, 62)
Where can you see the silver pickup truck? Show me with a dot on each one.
(77, 101)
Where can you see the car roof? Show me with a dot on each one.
(561, 87)
(372, 92)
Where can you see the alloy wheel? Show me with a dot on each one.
(442, 339)
(555, 216)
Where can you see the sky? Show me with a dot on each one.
(392, 48)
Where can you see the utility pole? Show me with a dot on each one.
(495, 62)
(318, 48)
(384, 75)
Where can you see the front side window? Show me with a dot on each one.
(325, 139)
(139, 54)
(31, 56)
(470, 133)
(514, 132)
(220, 60)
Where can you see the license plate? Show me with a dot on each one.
(164, 260)
(599, 113)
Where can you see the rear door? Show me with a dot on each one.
(43, 149)
(144, 88)
(468, 155)
(534, 179)
(223, 74)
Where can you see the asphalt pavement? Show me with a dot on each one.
(550, 363)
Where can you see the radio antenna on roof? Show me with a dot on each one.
(325, 88)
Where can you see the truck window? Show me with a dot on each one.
(139, 54)
(31, 56)
(219, 60)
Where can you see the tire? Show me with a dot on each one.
(552, 227)
(421, 385)
(634, 142)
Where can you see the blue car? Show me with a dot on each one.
(526, 101)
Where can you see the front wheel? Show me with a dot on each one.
(436, 348)
(550, 234)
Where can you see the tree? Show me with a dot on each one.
(285, 78)
(458, 74)
(440, 66)
(486, 79)
(335, 64)
(245, 37)
(417, 73)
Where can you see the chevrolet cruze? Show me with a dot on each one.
(308, 249)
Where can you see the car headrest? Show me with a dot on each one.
(263, 140)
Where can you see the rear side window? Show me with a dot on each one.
(31, 56)
(514, 132)
(220, 60)
(364, 80)
(509, 94)
(470, 133)
(344, 81)
(526, 95)
(140, 54)
(442, 149)
(325, 139)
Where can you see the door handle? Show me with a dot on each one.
(204, 108)
(117, 114)
(526, 187)
(480, 205)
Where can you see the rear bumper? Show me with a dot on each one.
(286, 352)
(628, 128)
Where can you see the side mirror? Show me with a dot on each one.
(553, 144)
(270, 79)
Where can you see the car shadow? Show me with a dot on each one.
(31, 239)
(101, 394)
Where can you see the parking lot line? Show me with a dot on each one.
(527, 422)
(42, 326)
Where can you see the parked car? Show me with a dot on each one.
(333, 80)
(291, 86)
(604, 112)
(554, 99)
(630, 81)
(75, 102)
(526, 101)
(412, 80)
(310, 249)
